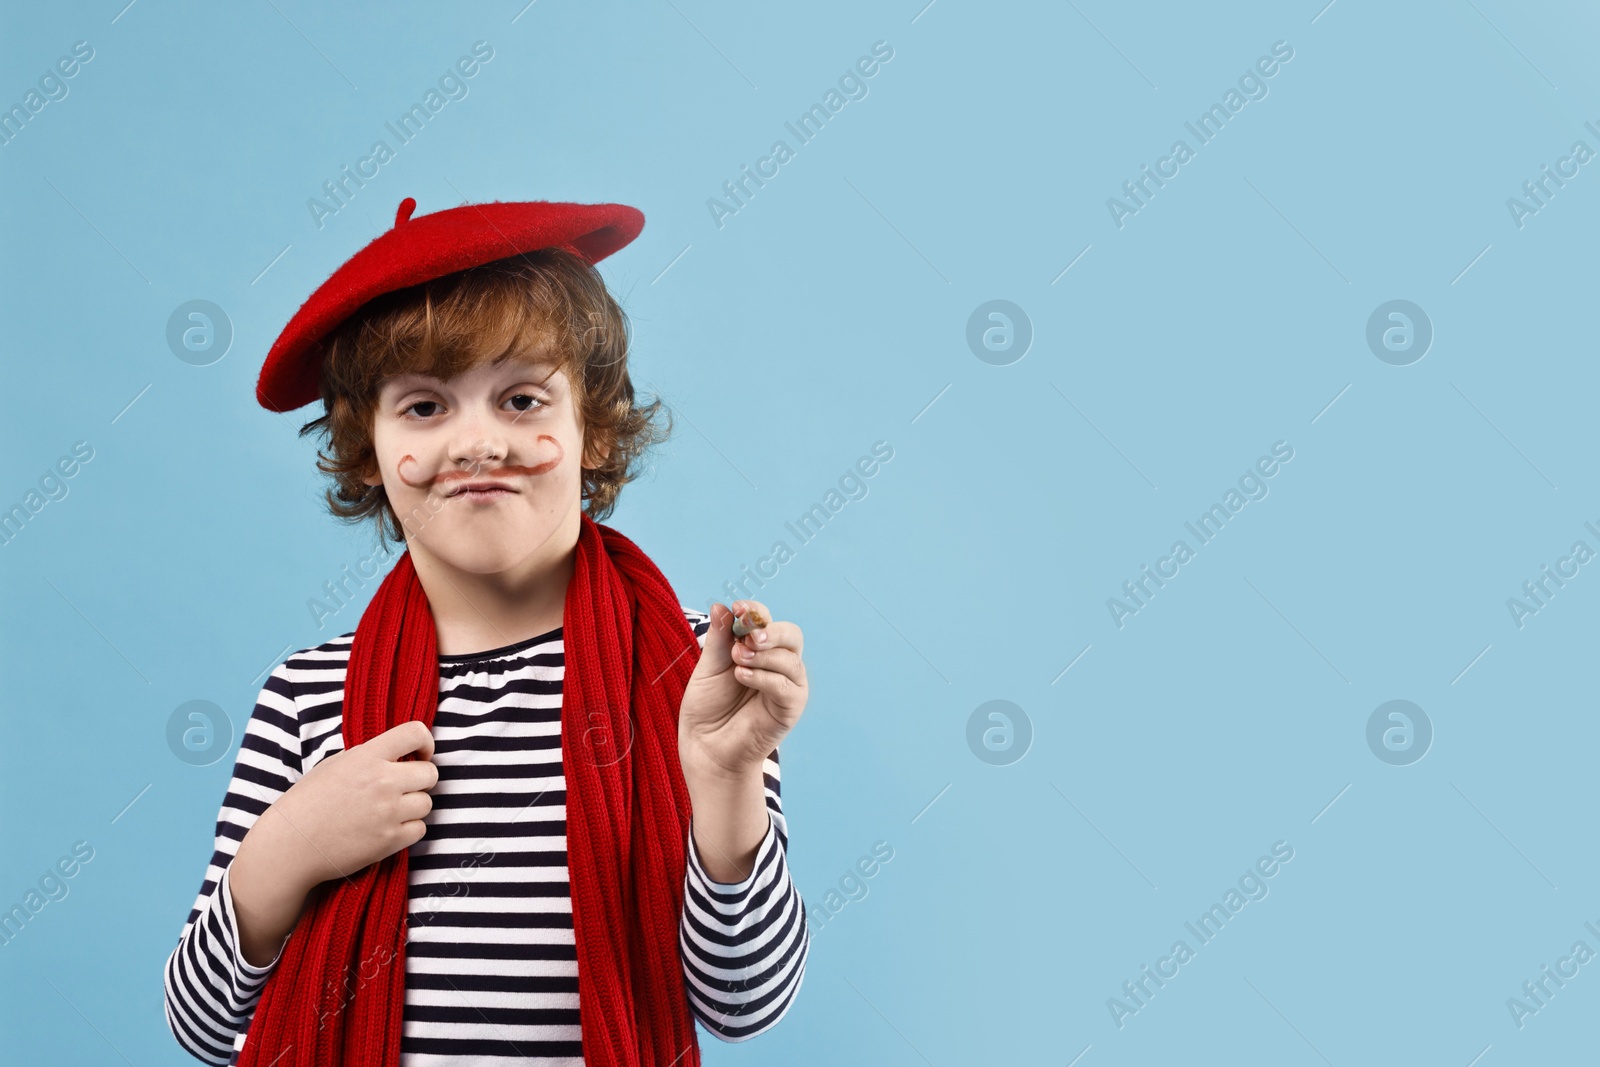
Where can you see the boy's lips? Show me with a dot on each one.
(480, 488)
(481, 493)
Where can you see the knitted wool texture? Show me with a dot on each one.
(337, 993)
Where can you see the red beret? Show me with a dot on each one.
(419, 250)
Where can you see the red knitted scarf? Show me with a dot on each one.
(337, 993)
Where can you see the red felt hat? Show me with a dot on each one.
(420, 249)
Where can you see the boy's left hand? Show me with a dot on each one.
(744, 696)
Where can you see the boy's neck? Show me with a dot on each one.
(477, 612)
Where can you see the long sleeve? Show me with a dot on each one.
(744, 944)
(211, 992)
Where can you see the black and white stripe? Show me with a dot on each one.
(491, 964)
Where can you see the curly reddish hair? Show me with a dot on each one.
(551, 303)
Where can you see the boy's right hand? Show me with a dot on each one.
(359, 806)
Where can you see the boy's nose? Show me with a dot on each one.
(478, 450)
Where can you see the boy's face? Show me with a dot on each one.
(482, 469)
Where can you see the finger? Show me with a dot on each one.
(416, 775)
(782, 660)
(782, 689)
(413, 806)
(714, 655)
(402, 740)
(776, 635)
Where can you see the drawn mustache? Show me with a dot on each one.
(444, 478)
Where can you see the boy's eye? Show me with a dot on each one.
(522, 402)
(532, 400)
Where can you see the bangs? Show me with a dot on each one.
(444, 328)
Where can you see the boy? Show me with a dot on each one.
(461, 833)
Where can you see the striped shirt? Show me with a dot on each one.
(491, 962)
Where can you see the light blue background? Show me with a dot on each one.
(831, 313)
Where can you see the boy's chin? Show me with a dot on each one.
(491, 548)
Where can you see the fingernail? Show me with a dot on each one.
(761, 637)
